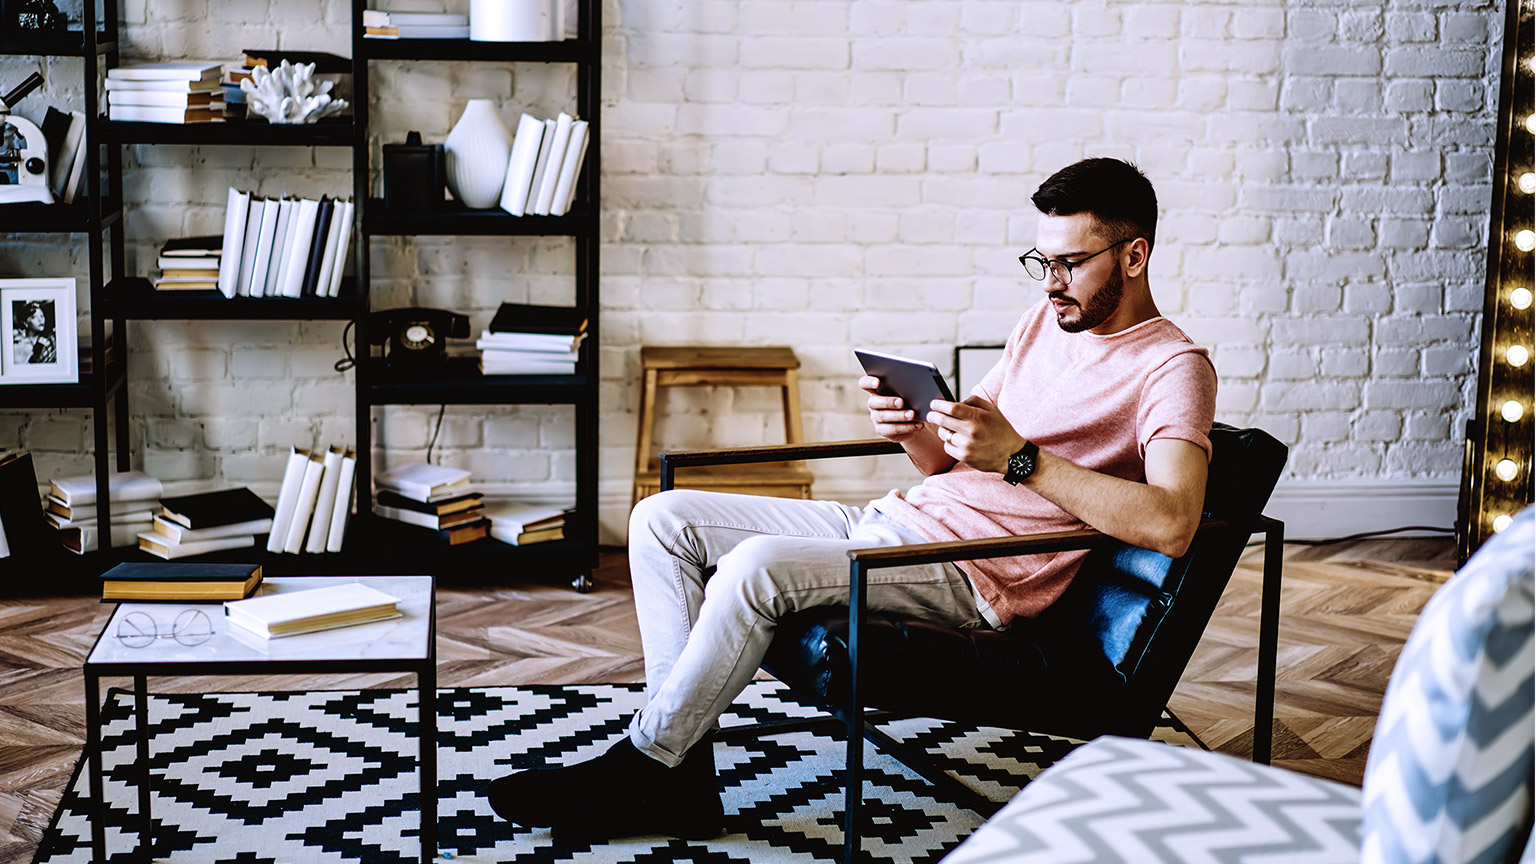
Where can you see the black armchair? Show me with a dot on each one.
(1103, 659)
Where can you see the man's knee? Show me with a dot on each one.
(753, 573)
(659, 515)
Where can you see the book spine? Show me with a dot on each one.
(301, 234)
(557, 150)
(343, 244)
(270, 210)
(344, 494)
(541, 166)
(248, 245)
(325, 502)
(287, 499)
(317, 244)
(304, 507)
(281, 237)
(520, 165)
(570, 169)
(236, 212)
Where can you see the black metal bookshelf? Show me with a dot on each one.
(134, 298)
(378, 223)
(70, 43)
(246, 133)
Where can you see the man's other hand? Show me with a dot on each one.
(975, 432)
(892, 418)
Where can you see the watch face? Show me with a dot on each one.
(416, 336)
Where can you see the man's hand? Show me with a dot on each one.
(892, 419)
(975, 432)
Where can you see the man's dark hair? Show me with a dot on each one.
(1115, 192)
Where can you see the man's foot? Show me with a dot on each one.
(621, 793)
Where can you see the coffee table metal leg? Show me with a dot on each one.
(426, 734)
(141, 728)
(98, 807)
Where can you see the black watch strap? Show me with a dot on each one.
(1022, 464)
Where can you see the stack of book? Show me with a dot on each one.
(189, 264)
(175, 92)
(532, 340)
(72, 509)
(284, 247)
(65, 134)
(179, 582)
(432, 497)
(379, 24)
(207, 522)
(545, 162)
(519, 523)
(314, 501)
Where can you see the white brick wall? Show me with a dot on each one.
(824, 174)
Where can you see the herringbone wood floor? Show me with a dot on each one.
(1345, 613)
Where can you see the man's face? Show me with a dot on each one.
(1097, 285)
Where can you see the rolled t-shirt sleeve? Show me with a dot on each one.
(1178, 400)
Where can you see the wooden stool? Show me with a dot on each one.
(703, 366)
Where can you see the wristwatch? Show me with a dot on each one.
(1022, 463)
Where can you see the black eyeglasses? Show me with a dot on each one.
(1035, 266)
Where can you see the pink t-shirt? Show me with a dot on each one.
(1094, 400)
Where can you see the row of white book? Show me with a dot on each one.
(314, 501)
(529, 353)
(544, 165)
(173, 92)
(284, 247)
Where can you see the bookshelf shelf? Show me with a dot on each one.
(71, 43)
(472, 222)
(242, 132)
(135, 298)
(81, 394)
(462, 384)
(568, 51)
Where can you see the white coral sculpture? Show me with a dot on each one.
(290, 94)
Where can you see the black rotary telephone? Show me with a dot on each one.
(416, 337)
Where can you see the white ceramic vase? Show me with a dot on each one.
(477, 151)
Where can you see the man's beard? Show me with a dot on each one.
(1101, 305)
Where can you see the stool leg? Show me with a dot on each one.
(794, 431)
(644, 422)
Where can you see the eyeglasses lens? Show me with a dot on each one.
(1034, 267)
(191, 628)
(136, 630)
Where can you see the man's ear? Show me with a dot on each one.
(1133, 257)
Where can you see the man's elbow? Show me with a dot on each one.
(1175, 535)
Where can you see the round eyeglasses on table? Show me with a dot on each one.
(138, 630)
(1036, 265)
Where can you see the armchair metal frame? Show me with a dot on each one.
(861, 561)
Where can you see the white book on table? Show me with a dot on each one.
(345, 490)
(304, 505)
(521, 164)
(80, 490)
(236, 215)
(301, 237)
(550, 179)
(343, 246)
(248, 253)
(325, 502)
(287, 499)
(293, 612)
(570, 169)
(540, 166)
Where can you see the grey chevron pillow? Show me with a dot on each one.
(1449, 779)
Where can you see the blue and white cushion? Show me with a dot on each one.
(1450, 772)
(1128, 801)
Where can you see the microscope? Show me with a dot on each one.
(23, 151)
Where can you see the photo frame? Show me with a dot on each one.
(37, 318)
(972, 363)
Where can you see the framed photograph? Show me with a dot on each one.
(37, 317)
(972, 363)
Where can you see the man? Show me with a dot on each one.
(1098, 414)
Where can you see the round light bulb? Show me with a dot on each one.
(1526, 240)
(1506, 469)
(1520, 298)
(1512, 411)
(1501, 521)
(1528, 182)
(1530, 123)
(1518, 355)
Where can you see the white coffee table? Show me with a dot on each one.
(404, 644)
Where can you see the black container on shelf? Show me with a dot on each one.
(414, 176)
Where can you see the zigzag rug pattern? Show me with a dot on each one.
(330, 776)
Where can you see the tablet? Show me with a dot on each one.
(917, 382)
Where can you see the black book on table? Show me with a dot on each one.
(167, 581)
(27, 532)
(317, 246)
(561, 320)
(209, 509)
(467, 501)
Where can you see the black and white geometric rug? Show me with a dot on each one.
(330, 776)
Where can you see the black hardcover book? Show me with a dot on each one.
(163, 582)
(435, 508)
(317, 246)
(208, 509)
(55, 127)
(27, 532)
(165, 571)
(190, 245)
(562, 320)
(325, 63)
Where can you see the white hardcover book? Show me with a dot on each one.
(325, 502)
(544, 342)
(76, 180)
(328, 255)
(516, 515)
(80, 490)
(550, 178)
(426, 19)
(490, 365)
(287, 499)
(64, 160)
(176, 533)
(281, 240)
(267, 232)
(293, 612)
(521, 164)
(420, 480)
(409, 517)
(158, 544)
(375, 18)
(343, 246)
(304, 506)
(344, 493)
(135, 516)
(236, 215)
(180, 70)
(570, 169)
(540, 166)
(123, 534)
(167, 98)
(301, 236)
(188, 85)
(161, 114)
(251, 230)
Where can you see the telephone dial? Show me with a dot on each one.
(415, 339)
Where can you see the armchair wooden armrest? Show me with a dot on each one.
(670, 462)
(990, 547)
